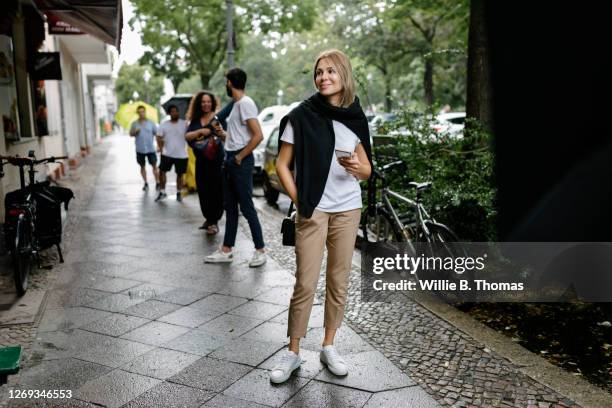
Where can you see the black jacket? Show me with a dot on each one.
(314, 143)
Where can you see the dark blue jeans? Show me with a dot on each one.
(238, 190)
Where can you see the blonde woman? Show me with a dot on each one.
(326, 140)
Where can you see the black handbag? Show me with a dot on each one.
(288, 228)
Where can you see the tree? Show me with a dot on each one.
(131, 79)
(368, 34)
(393, 36)
(190, 34)
(167, 64)
(478, 105)
(436, 21)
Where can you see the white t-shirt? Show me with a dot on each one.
(238, 134)
(342, 191)
(173, 134)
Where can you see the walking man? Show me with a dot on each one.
(171, 143)
(242, 136)
(144, 130)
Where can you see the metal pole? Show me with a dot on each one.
(229, 5)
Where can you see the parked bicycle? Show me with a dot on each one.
(32, 217)
(382, 222)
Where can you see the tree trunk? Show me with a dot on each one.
(479, 98)
(388, 99)
(205, 80)
(176, 82)
(428, 83)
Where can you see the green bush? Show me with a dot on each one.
(463, 194)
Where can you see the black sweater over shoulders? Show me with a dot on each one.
(314, 143)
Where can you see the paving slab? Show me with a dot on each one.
(70, 318)
(210, 374)
(269, 331)
(114, 285)
(155, 333)
(230, 325)
(219, 303)
(408, 397)
(52, 403)
(198, 342)
(106, 350)
(57, 298)
(258, 310)
(181, 296)
(65, 374)
(115, 388)
(280, 295)
(256, 387)
(316, 317)
(151, 309)
(225, 401)
(117, 302)
(247, 351)
(116, 324)
(368, 371)
(170, 395)
(160, 363)
(147, 290)
(189, 317)
(323, 395)
(248, 290)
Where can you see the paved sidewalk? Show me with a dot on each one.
(136, 319)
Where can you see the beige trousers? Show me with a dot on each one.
(338, 232)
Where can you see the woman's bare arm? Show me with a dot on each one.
(283, 162)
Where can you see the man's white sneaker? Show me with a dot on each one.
(220, 257)
(259, 258)
(332, 359)
(282, 371)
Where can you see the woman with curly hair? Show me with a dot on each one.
(208, 150)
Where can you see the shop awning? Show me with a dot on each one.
(102, 19)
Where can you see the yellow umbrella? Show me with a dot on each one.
(126, 114)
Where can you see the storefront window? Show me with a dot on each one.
(8, 90)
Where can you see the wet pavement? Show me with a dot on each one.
(135, 318)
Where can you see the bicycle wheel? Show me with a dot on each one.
(22, 255)
(380, 228)
(445, 244)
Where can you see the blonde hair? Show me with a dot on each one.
(345, 72)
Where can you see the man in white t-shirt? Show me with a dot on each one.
(242, 136)
(171, 142)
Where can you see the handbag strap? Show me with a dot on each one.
(290, 209)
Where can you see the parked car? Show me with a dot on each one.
(271, 183)
(269, 118)
(380, 121)
(451, 123)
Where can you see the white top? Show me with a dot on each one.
(173, 134)
(238, 134)
(342, 191)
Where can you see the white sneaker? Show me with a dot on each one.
(259, 258)
(220, 257)
(334, 362)
(288, 363)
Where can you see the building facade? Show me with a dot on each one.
(40, 112)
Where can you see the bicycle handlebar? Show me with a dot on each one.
(27, 161)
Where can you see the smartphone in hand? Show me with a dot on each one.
(343, 154)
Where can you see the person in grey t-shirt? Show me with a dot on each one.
(144, 131)
(243, 135)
